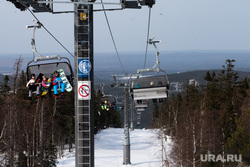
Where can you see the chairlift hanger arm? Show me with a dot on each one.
(34, 50)
(33, 43)
(151, 41)
(153, 69)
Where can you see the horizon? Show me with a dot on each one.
(170, 61)
(141, 51)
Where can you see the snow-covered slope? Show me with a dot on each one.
(145, 149)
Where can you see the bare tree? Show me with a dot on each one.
(17, 67)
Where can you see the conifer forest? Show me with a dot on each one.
(209, 119)
(203, 119)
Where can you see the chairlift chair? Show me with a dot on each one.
(151, 83)
(47, 65)
(140, 109)
(138, 113)
(108, 102)
(141, 104)
(149, 87)
(138, 120)
(119, 105)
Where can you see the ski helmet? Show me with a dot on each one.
(56, 72)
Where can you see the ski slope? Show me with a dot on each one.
(145, 148)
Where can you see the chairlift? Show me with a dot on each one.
(108, 102)
(138, 120)
(119, 105)
(140, 109)
(47, 64)
(48, 67)
(149, 83)
(141, 104)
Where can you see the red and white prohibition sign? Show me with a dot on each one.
(84, 90)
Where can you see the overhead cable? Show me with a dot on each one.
(146, 52)
(113, 39)
(48, 31)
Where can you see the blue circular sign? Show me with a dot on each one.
(85, 66)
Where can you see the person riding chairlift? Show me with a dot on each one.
(57, 81)
(33, 86)
(46, 85)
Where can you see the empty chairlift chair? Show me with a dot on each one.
(149, 87)
(153, 85)
(141, 104)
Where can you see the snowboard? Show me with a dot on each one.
(62, 75)
(39, 78)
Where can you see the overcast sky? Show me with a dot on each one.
(179, 24)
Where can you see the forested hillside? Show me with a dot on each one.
(211, 119)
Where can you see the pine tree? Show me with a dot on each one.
(49, 155)
(22, 90)
(239, 141)
(4, 87)
(156, 121)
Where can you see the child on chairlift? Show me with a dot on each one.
(57, 81)
(33, 86)
(46, 85)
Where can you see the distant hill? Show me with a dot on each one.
(173, 78)
(170, 61)
(199, 76)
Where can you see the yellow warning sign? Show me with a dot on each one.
(83, 16)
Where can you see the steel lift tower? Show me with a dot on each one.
(83, 81)
(84, 84)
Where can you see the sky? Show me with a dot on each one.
(179, 24)
(145, 149)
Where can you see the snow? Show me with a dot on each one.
(145, 148)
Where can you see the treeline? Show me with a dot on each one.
(35, 133)
(209, 124)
